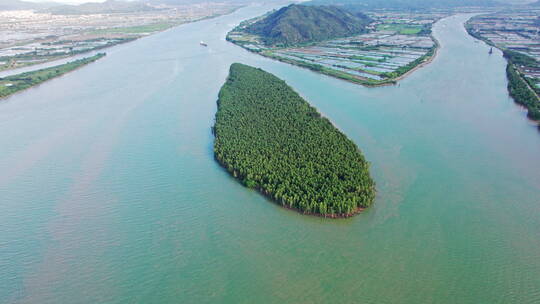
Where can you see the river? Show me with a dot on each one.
(109, 192)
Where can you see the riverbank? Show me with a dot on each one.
(328, 71)
(51, 58)
(423, 61)
(519, 87)
(359, 65)
(426, 61)
(522, 93)
(16, 83)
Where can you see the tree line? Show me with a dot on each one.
(12, 84)
(521, 91)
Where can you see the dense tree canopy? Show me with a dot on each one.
(522, 91)
(274, 141)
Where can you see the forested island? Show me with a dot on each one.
(15, 83)
(272, 140)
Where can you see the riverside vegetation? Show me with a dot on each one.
(51, 51)
(272, 140)
(15, 83)
(520, 87)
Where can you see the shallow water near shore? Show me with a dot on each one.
(109, 192)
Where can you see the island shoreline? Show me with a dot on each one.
(277, 203)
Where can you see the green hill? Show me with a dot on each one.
(296, 24)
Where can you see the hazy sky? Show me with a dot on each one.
(83, 1)
(66, 1)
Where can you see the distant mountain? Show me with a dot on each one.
(110, 6)
(537, 3)
(11, 5)
(296, 24)
(107, 7)
(185, 2)
(172, 2)
(407, 4)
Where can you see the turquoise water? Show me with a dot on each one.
(109, 192)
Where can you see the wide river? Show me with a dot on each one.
(109, 192)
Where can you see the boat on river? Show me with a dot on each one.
(203, 43)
